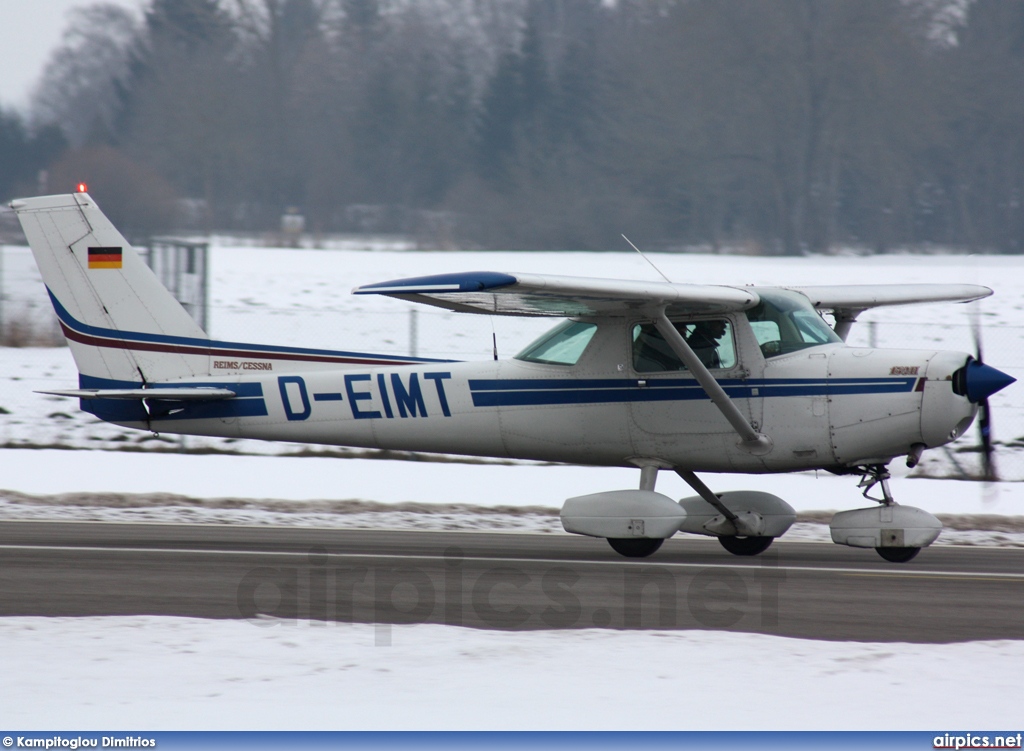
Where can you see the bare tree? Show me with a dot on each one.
(79, 87)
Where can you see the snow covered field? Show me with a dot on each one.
(169, 673)
(147, 673)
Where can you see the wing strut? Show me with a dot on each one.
(756, 443)
(845, 318)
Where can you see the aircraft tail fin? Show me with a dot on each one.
(122, 325)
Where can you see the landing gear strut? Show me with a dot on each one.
(736, 543)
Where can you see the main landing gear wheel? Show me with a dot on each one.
(635, 547)
(898, 555)
(746, 545)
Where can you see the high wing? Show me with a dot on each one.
(499, 293)
(847, 301)
(861, 297)
(560, 296)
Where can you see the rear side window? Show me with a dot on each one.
(563, 345)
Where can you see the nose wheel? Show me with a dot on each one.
(878, 474)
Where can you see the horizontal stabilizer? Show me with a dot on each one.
(182, 394)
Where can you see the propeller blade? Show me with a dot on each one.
(982, 381)
(987, 451)
(976, 331)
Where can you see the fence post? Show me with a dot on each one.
(414, 333)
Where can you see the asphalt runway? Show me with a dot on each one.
(505, 581)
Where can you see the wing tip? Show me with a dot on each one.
(470, 281)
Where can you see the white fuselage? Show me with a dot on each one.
(829, 406)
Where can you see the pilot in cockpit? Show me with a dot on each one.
(703, 340)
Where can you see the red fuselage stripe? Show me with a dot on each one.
(182, 349)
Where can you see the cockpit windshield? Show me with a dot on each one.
(786, 322)
(563, 345)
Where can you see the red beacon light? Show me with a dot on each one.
(82, 187)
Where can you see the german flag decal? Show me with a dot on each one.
(104, 258)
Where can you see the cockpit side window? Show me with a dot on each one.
(711, 341)
(785, 322)
(563, 345)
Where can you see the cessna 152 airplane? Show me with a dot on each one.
(652, 375)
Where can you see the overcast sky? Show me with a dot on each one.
(29, 30)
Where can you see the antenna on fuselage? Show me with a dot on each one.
(646, 258)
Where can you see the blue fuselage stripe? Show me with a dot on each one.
(509, 392)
